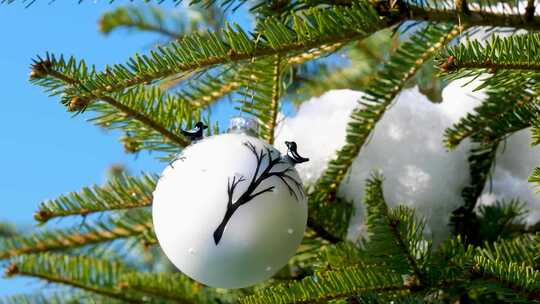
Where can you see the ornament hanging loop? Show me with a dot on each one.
(243, 125)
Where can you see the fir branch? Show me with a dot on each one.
(490, 290)
(330, 285)
(521, 278)
(487, 66)
(452, 260)
(520, 250)
(58, 298)
(342, 254)
(161, 115)
(409, 234)
(330, 221)
(145, 120)
(517, 52)
(121, 192)
(85, 273)
(151, 19)
(511, 106)
(170, 286)
(481, 161)
(54, 74)
(483, 16)
(500, 220)
(320, 231)
(395, 236)
(401, 67)
(131, 225)
(505, 263)
(397, 11)
(197, 52)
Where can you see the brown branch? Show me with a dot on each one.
(338, 295)
(489, 65)
(181, 141)
(471, 18)
(322, 232)
(529, 11)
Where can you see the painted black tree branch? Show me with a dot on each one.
(258, 177)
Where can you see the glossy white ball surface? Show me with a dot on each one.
(191, 200)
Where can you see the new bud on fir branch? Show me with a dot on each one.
(78, 103)
(11, 270)
(42, 216)
(40, 69)
(131, 145)
(447, 65)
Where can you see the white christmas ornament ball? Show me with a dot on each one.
(230, 211)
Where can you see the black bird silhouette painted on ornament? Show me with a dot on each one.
(195, 133)
(292, 153)
(266, 163)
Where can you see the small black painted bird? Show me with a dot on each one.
(195, 133)
(292, 153)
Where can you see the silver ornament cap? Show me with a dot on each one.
(243, 125)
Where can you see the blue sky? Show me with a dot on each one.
(44, 151)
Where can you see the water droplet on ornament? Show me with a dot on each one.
(268, 268)
(290, 231)
(191, 251)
